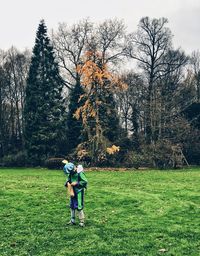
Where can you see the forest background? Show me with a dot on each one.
(95, 94)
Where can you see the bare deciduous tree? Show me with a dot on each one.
(110, 39)
(151, 46)
(14, 69)
(131, 103)
(195, 61)
(69, 43)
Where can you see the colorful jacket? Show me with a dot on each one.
(81, 180)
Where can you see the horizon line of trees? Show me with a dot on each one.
(75, 96)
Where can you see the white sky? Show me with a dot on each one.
(19, 19)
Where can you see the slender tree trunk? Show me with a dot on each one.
(1, 124)
(198, 87)
(97, 132)
(126, 122)
(148, 115)
(18, 128)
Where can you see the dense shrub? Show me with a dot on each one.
(160, 154)
(54, 163)
(19, 159)
(136, 160)
(191, 147)
(126, 147)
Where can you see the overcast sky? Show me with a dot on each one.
(19, 19)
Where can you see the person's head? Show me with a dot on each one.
(69, 168)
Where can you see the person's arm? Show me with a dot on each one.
(70, 189)
(82, 180)
(69, 186)
(68, 180)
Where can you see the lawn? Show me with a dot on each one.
(127, 213)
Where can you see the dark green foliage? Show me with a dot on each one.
(54, 163)
(191, 147)
(15, 160)
(160, 154)
(135, 160)
(109, 116)
(125, 145)
(44, 108)
(74, 126)
(192, 113)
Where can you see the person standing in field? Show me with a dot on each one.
(76, 183)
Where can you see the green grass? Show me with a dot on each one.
(128, 213)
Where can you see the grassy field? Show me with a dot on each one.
(128, 213)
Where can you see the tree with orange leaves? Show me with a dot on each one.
(100, 120)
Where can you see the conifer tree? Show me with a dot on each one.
(44, 108)
(108, 113)
(74, 126)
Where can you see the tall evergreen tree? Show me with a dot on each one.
(108, 114)
(74, 126)
(44, 108)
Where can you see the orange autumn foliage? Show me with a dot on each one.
(112, 150)
(91, 73)
(95, 71)
(95, 75)
(86, 111)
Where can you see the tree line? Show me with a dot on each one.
(99, 95)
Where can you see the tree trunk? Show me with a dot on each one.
(148, 114)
